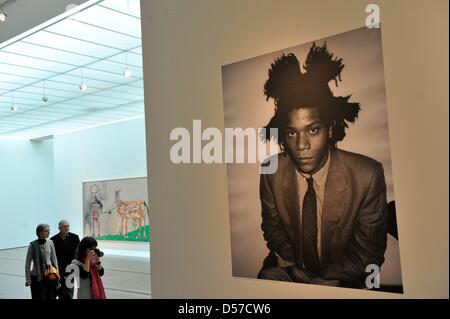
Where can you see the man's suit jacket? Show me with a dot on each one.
(354, 216)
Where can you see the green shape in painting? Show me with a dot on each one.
(131, 236)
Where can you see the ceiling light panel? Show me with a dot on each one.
(120, 94)
(130, 7)
(107, 102)
(26, 102)
(94, 76)
(46, 52)
(137, 51)
(8, 87)
(133, 59)
(135, 90)
(55, 91)
(60, 42)
(39, 117)
(70, 81)
(17, 79)
(110, 19)
(34, 73)
(117, 67)
(30, 62)
(95, 34)
(102, 40)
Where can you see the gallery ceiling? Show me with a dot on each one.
(82, 70)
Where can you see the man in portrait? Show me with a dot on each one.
(324, 211)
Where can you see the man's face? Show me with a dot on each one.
(306, 139)
(64, 229)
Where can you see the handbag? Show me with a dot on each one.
(51, 273)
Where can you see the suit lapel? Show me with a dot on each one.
(336, 200)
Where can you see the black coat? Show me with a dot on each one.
(65, 249)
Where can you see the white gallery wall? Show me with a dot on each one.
(185, 44)
(26, 190)
(41, 182)
(105, 152)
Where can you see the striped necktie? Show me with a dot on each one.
(309, 229)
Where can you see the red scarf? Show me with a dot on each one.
(97, 290)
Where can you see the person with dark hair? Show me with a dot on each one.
(65, 245)
(324, 211)
(90, 270)
(42, 253)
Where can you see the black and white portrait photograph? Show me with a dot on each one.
(327, 215)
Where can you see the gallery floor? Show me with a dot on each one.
(125, 277)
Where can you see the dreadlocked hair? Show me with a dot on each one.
(291, 89)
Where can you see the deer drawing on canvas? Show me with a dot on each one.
(133, 210)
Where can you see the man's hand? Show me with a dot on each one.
(299, 275)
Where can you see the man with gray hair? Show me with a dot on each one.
(66, 244)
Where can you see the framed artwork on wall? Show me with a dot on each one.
(116, 209)
(326, 216)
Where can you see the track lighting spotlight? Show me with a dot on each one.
(83, 87)
(13, 105)
(3, 5)
(44, 97)
(126, 73)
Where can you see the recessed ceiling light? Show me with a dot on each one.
(70, 6)
(3, 16)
